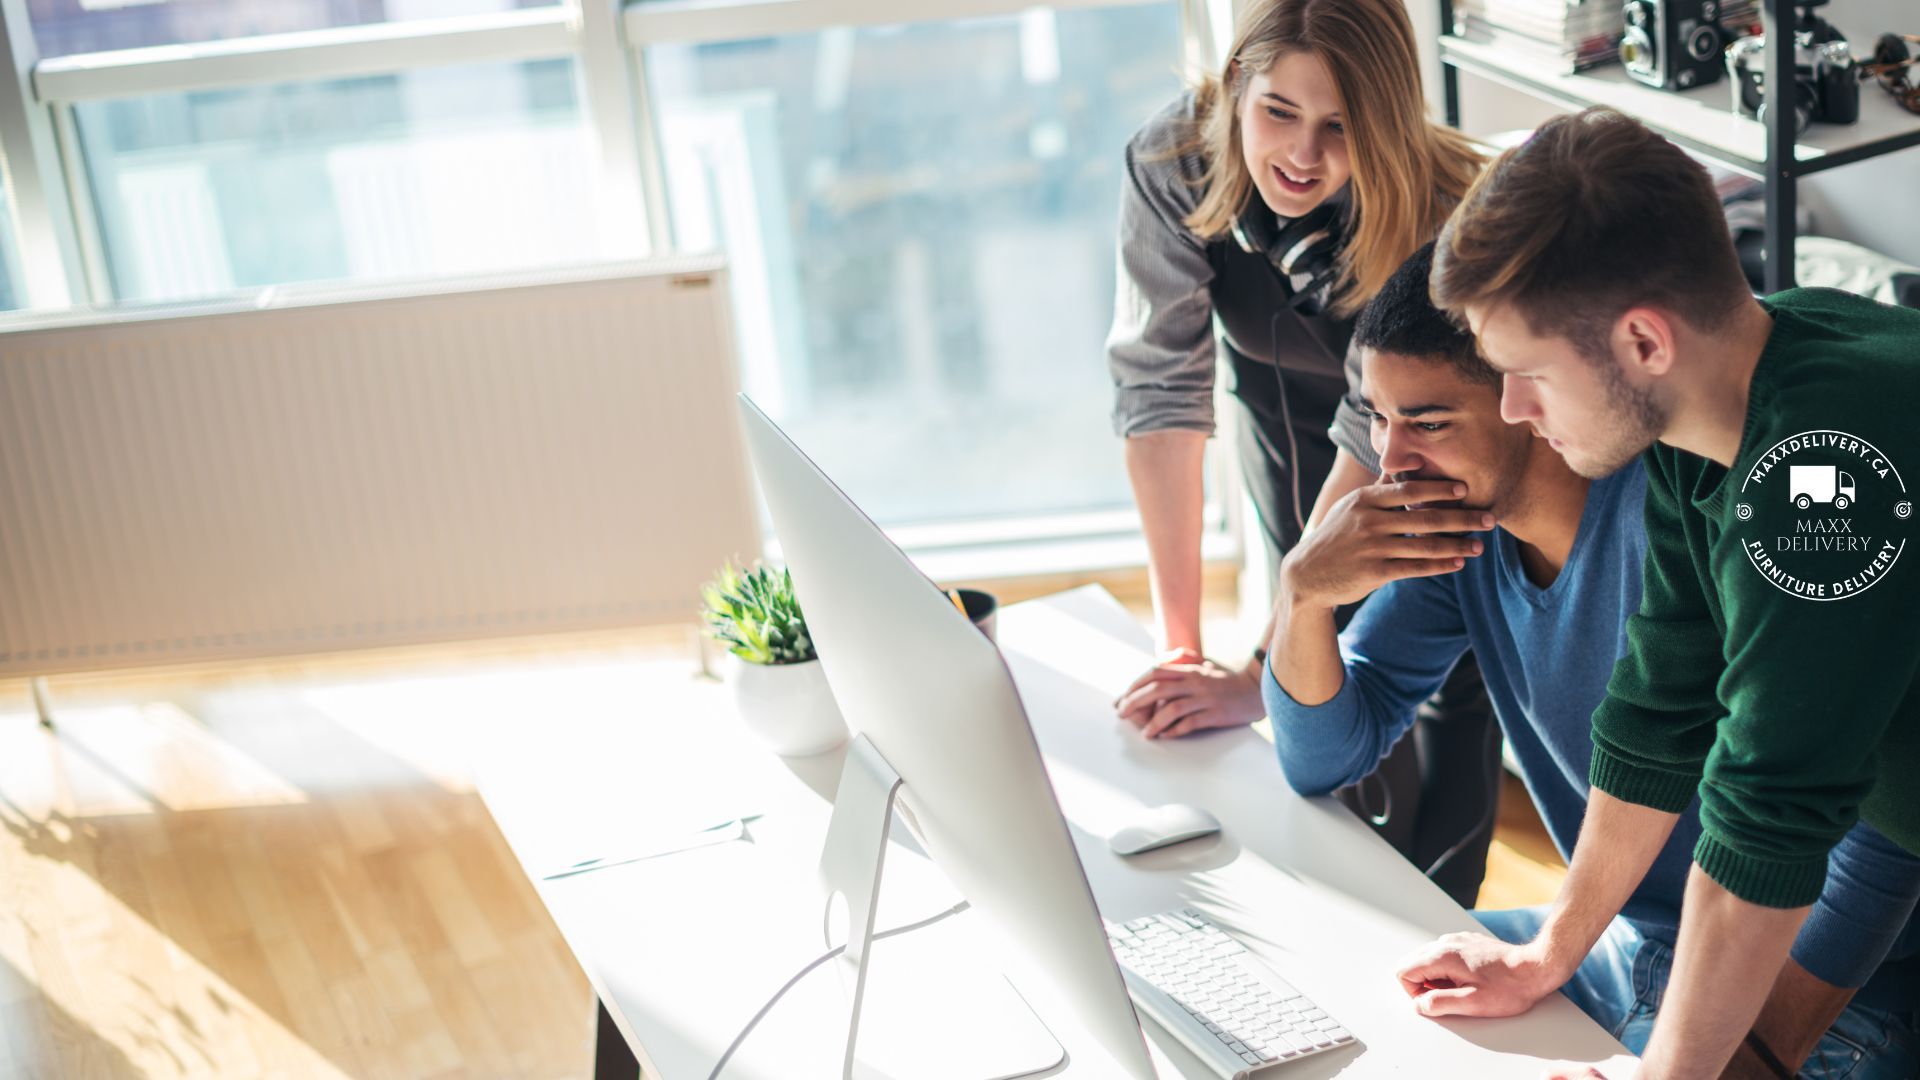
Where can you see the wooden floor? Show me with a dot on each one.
(282, 870)
(272, 871)
(1523, 867)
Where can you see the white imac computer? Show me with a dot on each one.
(939, 732)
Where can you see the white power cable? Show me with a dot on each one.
(805, 971)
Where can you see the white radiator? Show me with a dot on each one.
(467, 459)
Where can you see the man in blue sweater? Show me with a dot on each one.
(1486, 539)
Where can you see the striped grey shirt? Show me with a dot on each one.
(1160, 350)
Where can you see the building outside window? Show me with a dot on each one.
(920, 221)
(440, 170)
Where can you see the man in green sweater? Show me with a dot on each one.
(1774, 665)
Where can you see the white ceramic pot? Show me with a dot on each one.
(788, 706)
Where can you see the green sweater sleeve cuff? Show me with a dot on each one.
(1641, 785)
(1770, 883)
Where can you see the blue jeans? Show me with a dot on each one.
(1622, 980)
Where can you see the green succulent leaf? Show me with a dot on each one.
(755, 613)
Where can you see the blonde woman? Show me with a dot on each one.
(1275, 198)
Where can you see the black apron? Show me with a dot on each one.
(1288, 374)
(1434, 796)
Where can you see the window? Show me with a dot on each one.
(919, 218)
(65, 27)
(920, 221)
(440, 170)
(10, 291)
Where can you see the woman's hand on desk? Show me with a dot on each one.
(1189, 694)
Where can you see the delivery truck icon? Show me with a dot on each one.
(1809, 484)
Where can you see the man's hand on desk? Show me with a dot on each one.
(1190, 693)
(1472, 974)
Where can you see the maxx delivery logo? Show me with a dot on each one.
(1823, 515)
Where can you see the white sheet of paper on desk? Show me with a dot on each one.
(725, 833)
(628, 842)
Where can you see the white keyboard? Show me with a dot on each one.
(1214, 996)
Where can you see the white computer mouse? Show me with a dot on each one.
(1163, 825)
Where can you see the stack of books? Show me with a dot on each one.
(1567, 35)
(1740, 18)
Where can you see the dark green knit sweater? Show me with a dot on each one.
(1774, 666)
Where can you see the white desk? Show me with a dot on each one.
(683, 949)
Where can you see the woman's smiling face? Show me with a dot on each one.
(1294, 134)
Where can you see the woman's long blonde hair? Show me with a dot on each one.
(1408, 172)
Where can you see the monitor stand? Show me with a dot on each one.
(925, 1011)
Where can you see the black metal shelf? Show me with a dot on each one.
(1703, 122)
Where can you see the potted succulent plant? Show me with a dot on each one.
(778, 685)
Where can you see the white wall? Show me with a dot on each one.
(1852, 202)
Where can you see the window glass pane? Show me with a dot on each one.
(443, 170)
(10, 291)
(920, 221)
(63, 27)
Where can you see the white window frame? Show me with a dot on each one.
(698, 22)
(309, 55)
(63, 262)
(49, 255)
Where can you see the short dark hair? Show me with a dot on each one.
(1402, 320)
(1592, 215)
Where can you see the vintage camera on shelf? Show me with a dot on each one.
(1826, 87)
(1673, 44)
